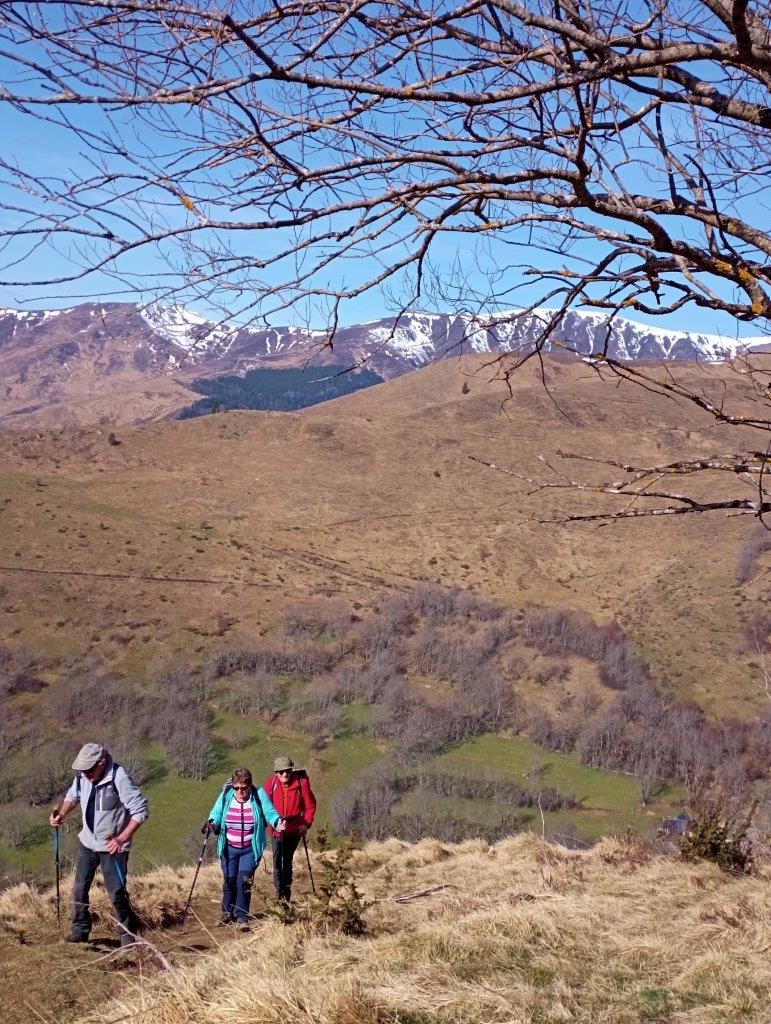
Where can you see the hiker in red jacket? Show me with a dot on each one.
(290, 793)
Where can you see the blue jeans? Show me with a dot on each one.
(238, 867)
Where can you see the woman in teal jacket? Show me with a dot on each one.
(238, 820)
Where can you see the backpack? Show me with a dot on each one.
(300, 774)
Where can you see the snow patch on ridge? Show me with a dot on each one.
(175, 324)
(188, 330)
(412, 339)
(583, 331)
(40, 315)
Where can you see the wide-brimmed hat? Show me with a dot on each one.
(88, 755)
(282, 764)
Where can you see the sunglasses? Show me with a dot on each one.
(284, 771)
(241, 789)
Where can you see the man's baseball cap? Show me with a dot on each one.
(87, 757)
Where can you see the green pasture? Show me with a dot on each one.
(608, 801)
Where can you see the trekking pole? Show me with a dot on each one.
(308, 858)
(58, 867)
(195, 878)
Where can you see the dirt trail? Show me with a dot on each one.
(45, 979)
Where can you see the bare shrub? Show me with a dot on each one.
(451, 657)
(365, 805)
(754, 635)
(257, 695)
(129, 755)
(100, 702)
(189, 748)
(599, 739)
(313, 618)
(429, 817)
(18, 729)
(497, 706)
(344, 683)
(559, 632)
(441, 605)
(551, 672)
(18, 672)
(376, 682)
(553, 733)
(489, 785)
(51, 774)
(303, 659)
(619, 670)
(329, 722)
(434, 602)
(374, 636)
(397, 613)
(22, 827)
(747, 562)
(589, 701)
(471, 606)
(307, 660)
(513, 666)
(9, 784)
(179, 675)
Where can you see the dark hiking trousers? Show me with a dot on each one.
(114, 874)
(283, 847)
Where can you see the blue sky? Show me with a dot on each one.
(52, 151)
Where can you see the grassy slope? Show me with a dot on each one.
(520, 931)
(131, 552)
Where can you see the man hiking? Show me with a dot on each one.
(113, 808)
(290, 793)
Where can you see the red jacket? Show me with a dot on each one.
(294, 801)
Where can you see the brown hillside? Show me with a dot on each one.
(137, 549)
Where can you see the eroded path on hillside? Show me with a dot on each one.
(43, 978)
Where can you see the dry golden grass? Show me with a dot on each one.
(521, 932)
(160, 896)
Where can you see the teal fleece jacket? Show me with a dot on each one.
(262, 809)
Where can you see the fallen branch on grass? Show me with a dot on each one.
(406, 896)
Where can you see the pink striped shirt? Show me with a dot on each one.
(239, 824)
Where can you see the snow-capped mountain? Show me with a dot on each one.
(96, 349)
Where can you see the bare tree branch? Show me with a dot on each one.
(281, 156)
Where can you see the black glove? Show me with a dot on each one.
(208, 828)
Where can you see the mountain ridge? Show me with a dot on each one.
(128, 363)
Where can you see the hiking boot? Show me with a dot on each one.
(243, 926)
(75, 938)
(224, 920)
